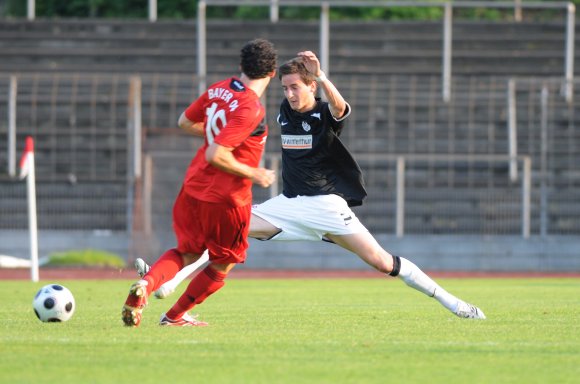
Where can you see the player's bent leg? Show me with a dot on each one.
(204, 284)
(165, 268)
(170, 286)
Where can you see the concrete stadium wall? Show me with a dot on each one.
(431, 253)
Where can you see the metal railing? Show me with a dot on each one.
(404, 163)
(93, 126)
(448, 6)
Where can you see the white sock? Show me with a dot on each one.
(417, 279)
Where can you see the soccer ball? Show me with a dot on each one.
(53, 303)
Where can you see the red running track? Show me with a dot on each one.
(130, 274)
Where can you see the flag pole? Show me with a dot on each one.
(27, 170)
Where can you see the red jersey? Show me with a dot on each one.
(233, 117)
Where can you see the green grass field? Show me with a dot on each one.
(301, 331)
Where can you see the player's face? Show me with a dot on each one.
(299, 95)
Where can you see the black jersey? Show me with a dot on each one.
(314, 160)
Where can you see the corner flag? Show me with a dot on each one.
(27, 171)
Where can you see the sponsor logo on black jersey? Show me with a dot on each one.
(296, 141)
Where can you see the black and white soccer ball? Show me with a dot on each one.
(54, 303)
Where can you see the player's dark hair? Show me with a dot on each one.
(258, 58)
(296, 66)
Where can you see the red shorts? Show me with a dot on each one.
(217, 227)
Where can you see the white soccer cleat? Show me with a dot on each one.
(142, 267)
(468, 311)
(164, 291)
(185, 321)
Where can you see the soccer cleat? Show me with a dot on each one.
(468, 311)
(136, 301)
(185, 321)
(142, 267)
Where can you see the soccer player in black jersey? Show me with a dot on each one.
(321, 181)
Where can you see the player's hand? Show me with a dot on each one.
(311, 62)
(264, 177)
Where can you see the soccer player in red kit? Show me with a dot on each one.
(212, 211)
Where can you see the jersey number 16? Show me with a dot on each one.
(212, 128)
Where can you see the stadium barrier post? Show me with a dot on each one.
(526, 198)
(400, 203)
(447, 43)
(569, 70)
(31, 10)
(152, 10)
(274, 11)
(12, 126)
(512, 130)
(201, 47)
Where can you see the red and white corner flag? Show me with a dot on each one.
(27, 171)
(27, 158)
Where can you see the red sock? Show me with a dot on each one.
(164, 269)
(204, 284)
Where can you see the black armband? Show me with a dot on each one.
(396, 266)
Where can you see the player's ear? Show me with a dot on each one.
(313, 86)
(272, 74)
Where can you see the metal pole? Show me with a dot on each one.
(447, 46)
(544, 163)
(512, 134)
(400, 204)
(136, 124)
(12, 126)
(569, 70)
(152, 10)
(526, 193)
(201, 47)
(31, 10)
(324, 37)
(274, 11)
(147, 194)
(518, 10)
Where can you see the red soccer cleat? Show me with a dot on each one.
(136, 301)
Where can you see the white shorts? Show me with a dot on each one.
(309, 217)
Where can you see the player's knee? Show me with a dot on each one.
(189, 258)
(383, 262)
